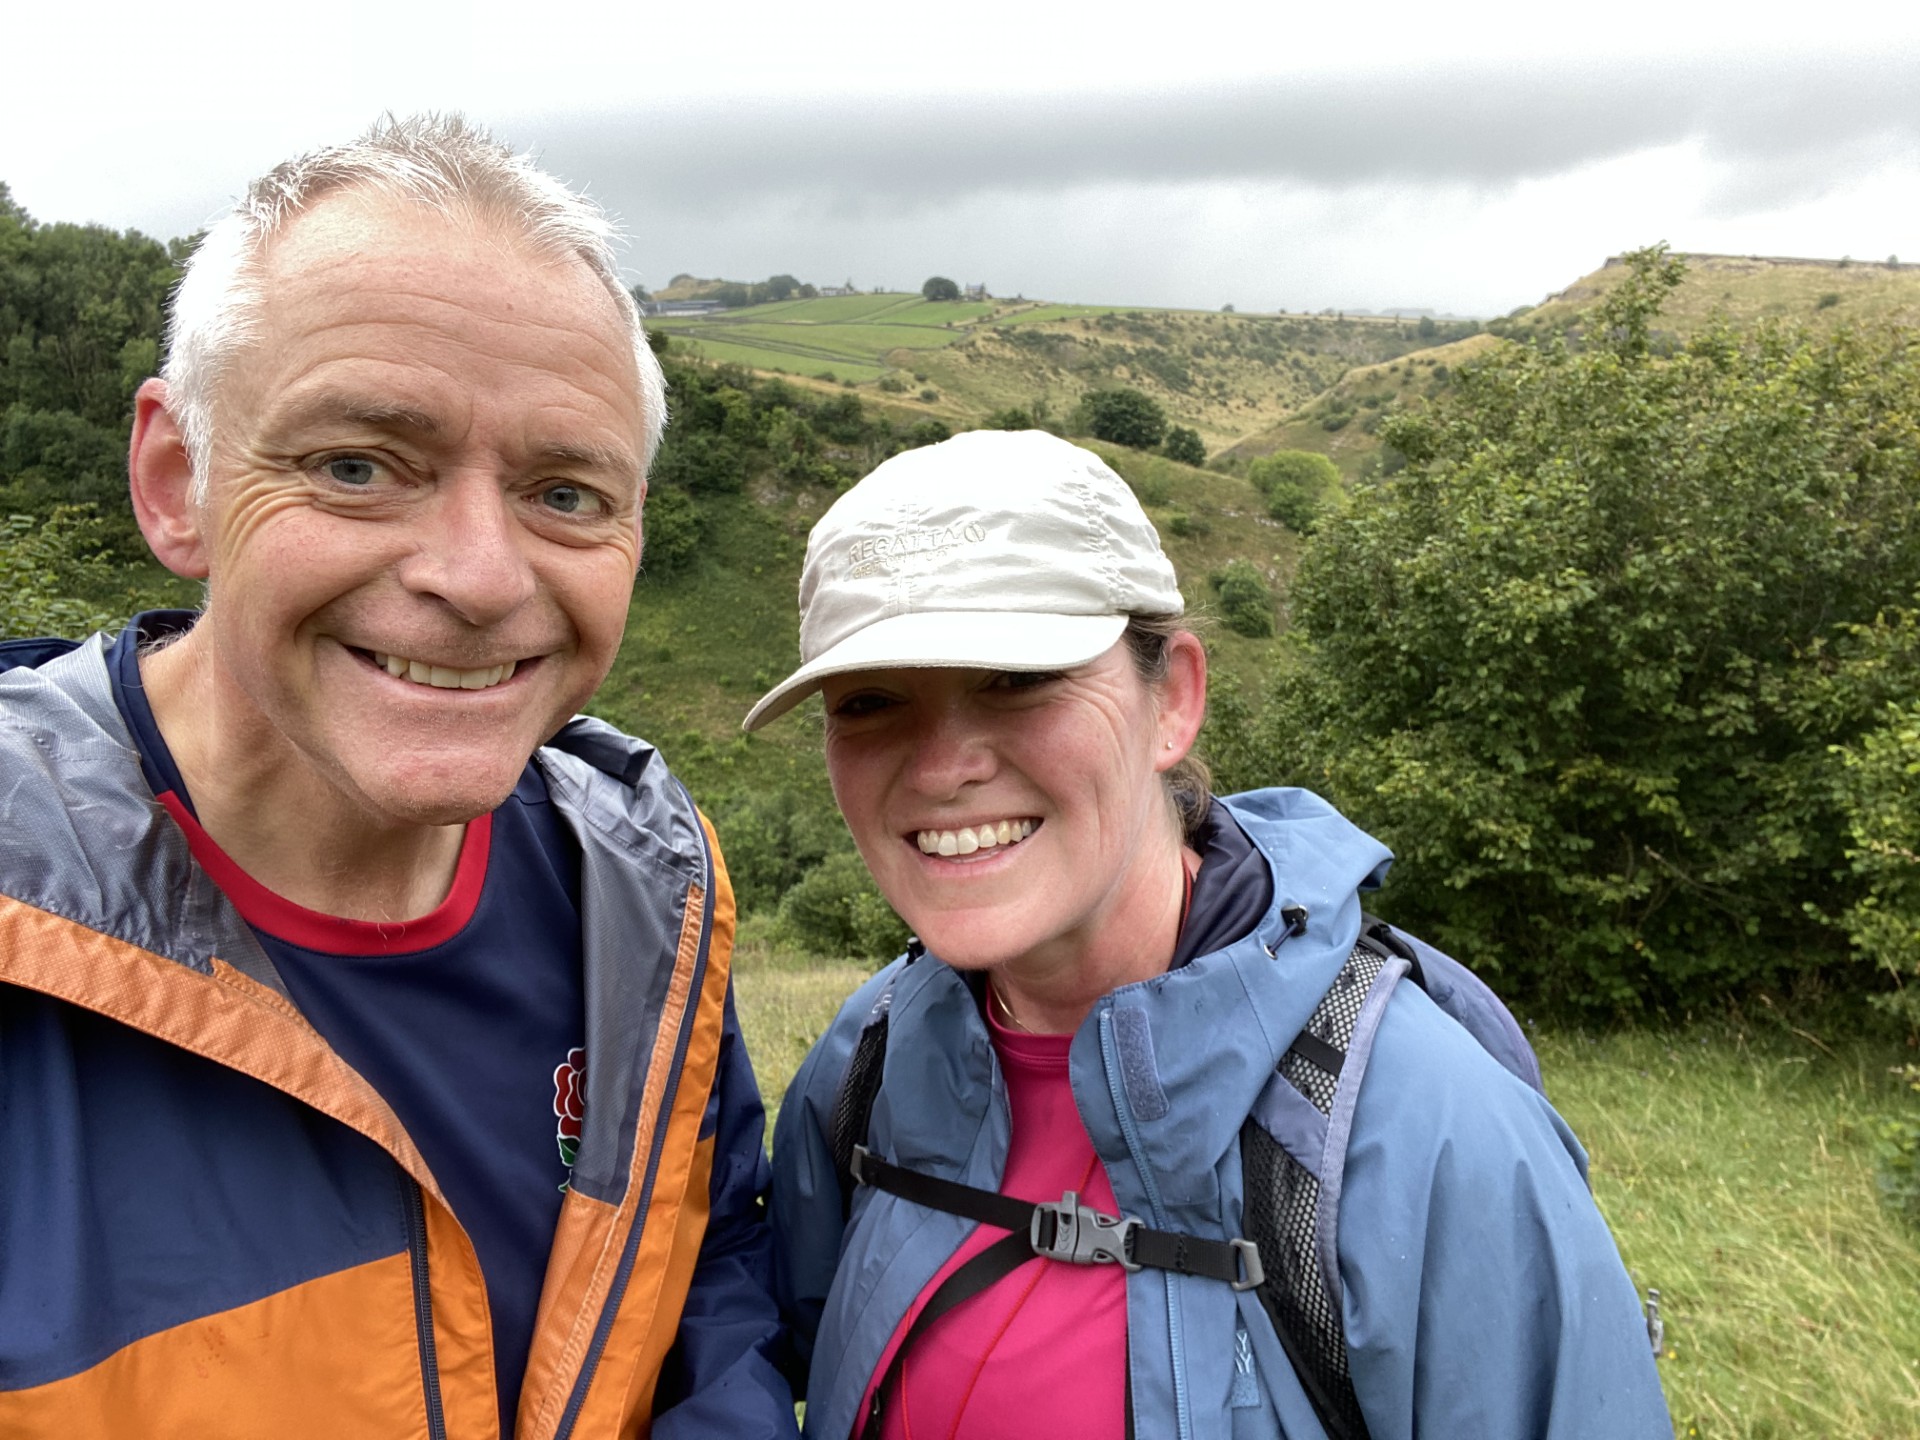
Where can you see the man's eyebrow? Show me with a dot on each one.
(360, 410)
(610, 458)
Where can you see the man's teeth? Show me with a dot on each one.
(970, 838)
(443, 677)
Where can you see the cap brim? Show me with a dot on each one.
(982, 639)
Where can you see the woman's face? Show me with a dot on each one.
(1009, 815)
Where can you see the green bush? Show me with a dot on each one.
(1012, 418)
(836, 910)
(1879, 792)
(1246, 604)
(1298, 485)
(671, 526)
(771, 839)
(700, 461)
(43, 565)
(1124, 417)
(1183, 443)
(1585, 661)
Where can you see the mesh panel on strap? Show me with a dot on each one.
(853, 1101)
(1282, 1202)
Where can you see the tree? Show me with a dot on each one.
(938, 287)
(80, 321)
(1125, 417)
(1184, 444)
(1297, 486)
(1585, 661)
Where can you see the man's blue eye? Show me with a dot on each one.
(570, 500)
(349, 470)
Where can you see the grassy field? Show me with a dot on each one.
(845, 336)
(1734, 1167)
(1227, 376)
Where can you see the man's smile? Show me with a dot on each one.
(442, 677)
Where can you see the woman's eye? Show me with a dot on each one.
(572, 500)
(354, 471)
(853, 707)
(1023, 679)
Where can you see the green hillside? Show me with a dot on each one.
(1343, 420)
(1747, 288)
(1227, 376)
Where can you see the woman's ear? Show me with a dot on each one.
(160, 477)
(1183, 698)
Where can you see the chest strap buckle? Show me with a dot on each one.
(1081, 1235)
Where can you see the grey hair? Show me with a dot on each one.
(444, 162)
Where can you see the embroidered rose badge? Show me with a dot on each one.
(570, 1103)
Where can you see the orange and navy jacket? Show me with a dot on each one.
(211, 1225)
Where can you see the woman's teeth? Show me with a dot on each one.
(970, 838)
(443, 677)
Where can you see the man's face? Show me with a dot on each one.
(422, 525)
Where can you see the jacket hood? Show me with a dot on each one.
(1170, 1067)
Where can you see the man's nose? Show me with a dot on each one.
(471, 552)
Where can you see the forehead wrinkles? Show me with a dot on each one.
(359, 259)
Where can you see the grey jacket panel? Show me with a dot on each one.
(81, 835)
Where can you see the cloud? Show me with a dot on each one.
(1479, 127)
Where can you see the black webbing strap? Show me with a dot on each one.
(1068, 1230)
(979, 1274)
(1330, 1058)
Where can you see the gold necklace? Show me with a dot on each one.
(1006, 1010)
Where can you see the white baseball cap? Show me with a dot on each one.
(997, 549)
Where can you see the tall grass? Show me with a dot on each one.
(1734, 1167)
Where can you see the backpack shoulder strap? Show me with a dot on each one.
(1463, 996)
(853, 1101)
(1293, 1151)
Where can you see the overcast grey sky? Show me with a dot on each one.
(1468, 157)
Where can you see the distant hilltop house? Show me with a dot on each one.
(846, 289)
(680, 307)
(976, 292)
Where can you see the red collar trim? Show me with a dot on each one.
(329, 934)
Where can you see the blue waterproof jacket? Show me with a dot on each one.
(1484, 1297)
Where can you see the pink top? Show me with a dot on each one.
(1044, 1352)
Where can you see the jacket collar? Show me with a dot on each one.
(1181, 1072)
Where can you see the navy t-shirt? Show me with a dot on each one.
(469, 1021)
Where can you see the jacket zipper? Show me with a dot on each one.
(617, 1291)
(423, 1307)
(1130, 1132)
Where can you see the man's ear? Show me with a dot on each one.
(161, 478)
(1183, 697)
